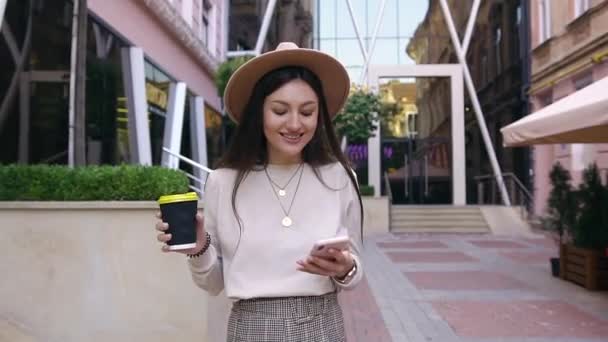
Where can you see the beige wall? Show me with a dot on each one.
(94, 272)
(71, 274)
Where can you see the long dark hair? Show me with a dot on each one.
(248, 148)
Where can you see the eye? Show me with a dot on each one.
(279, 112)
(307, 113)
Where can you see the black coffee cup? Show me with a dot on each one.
(179, 211)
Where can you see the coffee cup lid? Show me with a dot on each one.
(189, 196)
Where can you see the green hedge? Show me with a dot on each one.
(366, 190)
(90, 183)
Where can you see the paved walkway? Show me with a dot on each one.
(469, 288)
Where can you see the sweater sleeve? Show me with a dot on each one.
(351, 226)
(206, 270)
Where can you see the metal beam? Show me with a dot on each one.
(470, 26)
(475, 101)
(352, 18)
(374, 36)
(198, 136)
(265, 25)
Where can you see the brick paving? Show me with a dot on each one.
(469, 288)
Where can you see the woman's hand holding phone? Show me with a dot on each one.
(331, 258)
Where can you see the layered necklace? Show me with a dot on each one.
(281, 192)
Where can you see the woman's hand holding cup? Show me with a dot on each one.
(163, 237)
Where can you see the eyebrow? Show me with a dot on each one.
(287, 104)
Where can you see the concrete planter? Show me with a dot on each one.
(376, 215)
(93, 271)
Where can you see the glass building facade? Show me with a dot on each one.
(34, 91)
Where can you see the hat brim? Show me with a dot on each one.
(331, 73)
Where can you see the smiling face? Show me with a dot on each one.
(290, 120)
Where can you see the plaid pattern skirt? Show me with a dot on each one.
(287, 319)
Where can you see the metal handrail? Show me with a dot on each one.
(527, 196)
(521, 185)
(193, 164)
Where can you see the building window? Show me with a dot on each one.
(544, 20)
(580, 7)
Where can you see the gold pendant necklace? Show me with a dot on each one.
(282, 189)
(286, 221)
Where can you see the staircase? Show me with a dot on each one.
(437, 219)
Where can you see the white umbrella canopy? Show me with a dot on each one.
(581, 117)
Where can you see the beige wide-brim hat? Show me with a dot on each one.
(331, 73)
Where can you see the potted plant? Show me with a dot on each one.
(561, 208)
(584, 260)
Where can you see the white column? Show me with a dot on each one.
(174, 123)
(134, 81)
(459, 190)
(374, 161)
(24, 118)
(2, 9)
(198, 136)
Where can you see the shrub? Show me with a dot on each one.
(561, 203)
(591, 227)
(366, 190)
(89, 183)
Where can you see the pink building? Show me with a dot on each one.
(569, 52)
(150, 68)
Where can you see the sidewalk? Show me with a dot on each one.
(469, 288)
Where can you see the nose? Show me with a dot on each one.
(293, 122)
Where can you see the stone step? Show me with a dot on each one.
(439, 219)
(440, 230)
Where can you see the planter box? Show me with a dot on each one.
(585, 267)
(93, 271)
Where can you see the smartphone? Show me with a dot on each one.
(321, 248)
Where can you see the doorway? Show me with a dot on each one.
(418, 154)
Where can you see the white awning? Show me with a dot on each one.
(581, 117)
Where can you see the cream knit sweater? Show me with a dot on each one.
(260, 260)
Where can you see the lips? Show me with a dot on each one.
(292, 138)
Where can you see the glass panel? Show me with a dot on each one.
(345, 24)
(354, 73)
(48, 123)
(51, 32)
(386, 51)
(389, 20)
(349, 52)
(328, 46)
(411, 14)
(416, 139)
(327, 15)
(107, 133)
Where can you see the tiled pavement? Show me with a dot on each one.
(469, 288)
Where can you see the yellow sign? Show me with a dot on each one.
(156, 95)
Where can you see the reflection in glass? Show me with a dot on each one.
(416, 135)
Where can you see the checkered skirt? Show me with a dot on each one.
(287, 319)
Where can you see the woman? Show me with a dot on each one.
(282, 185)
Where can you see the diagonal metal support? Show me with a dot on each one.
(470, 26)
(374, 36)
(356, 27)
(259, 44)
(475, 101)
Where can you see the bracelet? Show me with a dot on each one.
(349, 276)
(205, 247)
